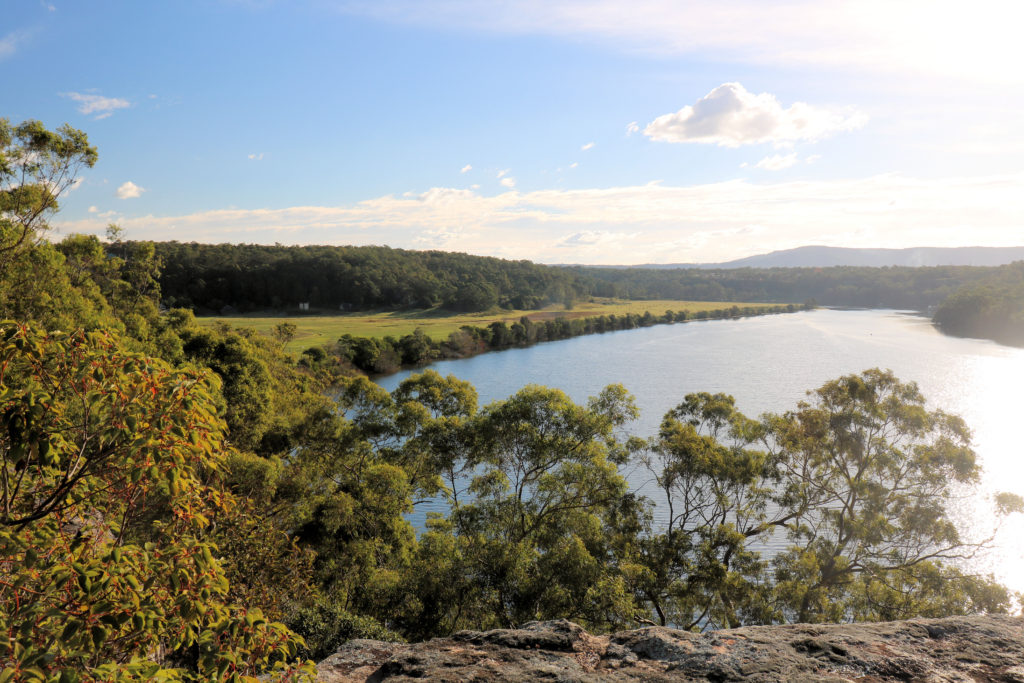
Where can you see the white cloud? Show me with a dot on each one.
(666, 224)
(589, 145)
(574, 164)
(593, 238)
(508, 181)
(103, 107)
(503, 173)
(9, 43)
(731, 116)
(256, 157)
(466, 169)
(93, 209)
(777, 162)
(632, 127)
(812, 158)
(129, 190)
(933, 37)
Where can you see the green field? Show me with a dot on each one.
(314, 330)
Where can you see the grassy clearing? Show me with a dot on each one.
(314, 330)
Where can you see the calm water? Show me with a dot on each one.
(768, 363)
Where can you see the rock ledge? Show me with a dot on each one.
(947, 650)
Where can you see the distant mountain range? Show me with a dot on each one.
(822, 257)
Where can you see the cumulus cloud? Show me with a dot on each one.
(665, 224)
(466, 169)
(93, 209)
(90, 103)
(777, 162)
(587, 146)
(731, 116)
(129, 190)
(508, 181)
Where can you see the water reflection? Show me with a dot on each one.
(768, 364)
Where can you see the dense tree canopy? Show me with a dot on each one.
(212, 278)
(992, 308)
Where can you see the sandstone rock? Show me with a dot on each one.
(955, 649)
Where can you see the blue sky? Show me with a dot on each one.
(560, 131)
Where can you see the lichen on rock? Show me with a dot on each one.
(976, 648)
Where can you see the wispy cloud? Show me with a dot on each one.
(508, 181)
(731, 116)
(466, 169)
(10, 42)
(909, 36)
(632, 127)
(91, 103)
(710, 222)
(256, 156)
(129, 190)
(593, 238)
(589, 145)
(777, 162)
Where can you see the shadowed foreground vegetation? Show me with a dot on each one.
(181, 503)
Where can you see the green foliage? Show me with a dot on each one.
(698, 571)
(326, 627)
(867, 474)
(992, 308)
(92, 440)
(528, 542)
(252, 277)
(859, 479)
(36, 167)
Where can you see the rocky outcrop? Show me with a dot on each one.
(950, 650)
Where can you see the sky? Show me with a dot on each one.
(559, 131)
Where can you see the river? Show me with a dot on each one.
(768, 363)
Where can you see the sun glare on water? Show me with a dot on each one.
(985, 391)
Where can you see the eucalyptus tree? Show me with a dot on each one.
(37, 166)
(868, 476)
(857, 486)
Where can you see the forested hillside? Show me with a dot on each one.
(247, 277)
(208, 278)
(179, 503)
(992, 307)
(896, 287)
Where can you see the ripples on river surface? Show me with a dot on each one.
(769, 363)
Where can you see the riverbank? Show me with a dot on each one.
(377, 356)
(318, 327)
